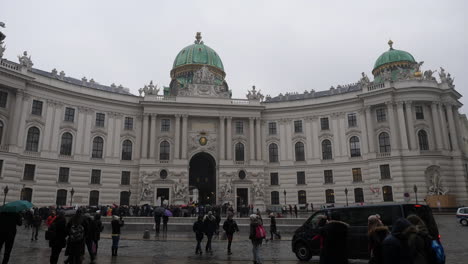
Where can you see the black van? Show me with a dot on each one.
(356, 216)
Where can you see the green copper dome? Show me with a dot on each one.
(198, 53)
(393, 56)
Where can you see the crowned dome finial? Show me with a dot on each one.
(198, 38)
(390, 43)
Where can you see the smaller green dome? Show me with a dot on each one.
(392, 56)
(198, 53)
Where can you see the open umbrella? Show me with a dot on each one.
(16, 206)
(159, 210)
(167, 213)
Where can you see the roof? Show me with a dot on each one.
(355, 87)
(198, 53)
(393, 55)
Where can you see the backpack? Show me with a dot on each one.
(260, 232)
(439, 251)
(76, 233)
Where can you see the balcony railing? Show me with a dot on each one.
(383, 154)
(375, 86)
(4, 148)
(10, 65)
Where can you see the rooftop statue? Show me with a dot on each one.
(254, 95)
(149, 89)
(25, 60)
(364, 79)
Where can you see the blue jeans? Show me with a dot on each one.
(256, 252)
(115, 241)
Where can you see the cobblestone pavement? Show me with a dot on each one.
(180, 249)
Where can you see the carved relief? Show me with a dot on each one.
(203, 84)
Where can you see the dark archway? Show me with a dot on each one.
(202, 176)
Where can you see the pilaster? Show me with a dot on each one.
(228, 138)
(258, 137)
(402, 126)
(177, 137)
(184, 136)
(251, 138)
(410, 120)
(436, 123)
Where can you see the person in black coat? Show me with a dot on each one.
(209, 227)
(230, 227)
(58, 241)
(90, 237)
(76, 231)
(395, 247)
(36, 223)
(8, 223)
(99, 228)
(334, 250)
(273, 229)
(157, 221)
(198, 229)
(116, 224)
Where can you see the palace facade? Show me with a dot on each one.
(65, 140)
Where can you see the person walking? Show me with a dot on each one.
(51, 218)
(419, 242)
(295, 210)
(256, 235)
(90, 236)
(209, 227)
(230, 227)
(376, 233)
(198, 229)
(76, 230)
(36, 223)
(8, 223)
(57, 241)
(334, 250)
(99, 228)
(290, 210)
(165, 219)
(116, 224)
(157, 221)
(395, 246)
(273, 229)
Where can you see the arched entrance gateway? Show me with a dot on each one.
(202, 178)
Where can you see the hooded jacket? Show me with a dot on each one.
(395, 246)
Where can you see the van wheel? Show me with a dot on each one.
(464, 222)
(303, 252)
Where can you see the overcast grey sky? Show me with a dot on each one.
(279, 46)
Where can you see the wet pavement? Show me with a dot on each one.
(180, 248)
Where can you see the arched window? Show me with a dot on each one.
(329, 196)
(423, 142)
(273, 152)
(124, 198)
(32, 141)
(164, 150)
(301, 197)
(387, 193)
(275, 197)
(358, 195)
(98, 146)
(355, 147)
(239, 152)
(26, 194)
(61, 197)
(327, 153)
(93, 198)
(384, 142)
(299, 151)
(127, 150)
(1, 132)
(66, 145)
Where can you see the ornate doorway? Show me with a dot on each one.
(202, 178)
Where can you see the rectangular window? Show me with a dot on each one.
(165, 125)
(36, 108)
(100, 119)
(239, 127)
(29, 171)
(301, 177)
(3, 99)
(381, 115)
(298, 126)
(125, 178)
(301, 197)
(64, 174)
(1, 168)
(95, 176)
(274, 178)
(128, 124)
(357, 175)
(419, 112)
(352, 120)
(324, 124)
(385, 172)
(272, 128)
(69, 114)
(328, 176)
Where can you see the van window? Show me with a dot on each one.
(357, 216)
(425, 213)
(313, 220)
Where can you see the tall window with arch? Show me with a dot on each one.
(355, 146)
(423, 141)
(239, 151)
(61, 198)
(98, 147)
(384, 142)
(164, 150)
(66, 144)
(358, 195)
(299, 151)
(273, 152)
(387, 193)
(329, 196)
(1, 132)
(32, 140)
(127, 150)
(302, 197)
(275, 198)
(327, 153)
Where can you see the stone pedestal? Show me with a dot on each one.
(442, 201)
(179, 201)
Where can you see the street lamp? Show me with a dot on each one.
(415, 189)
(5, 192)
(72, 192)
(346, 193)
(22, 192)
(129, 195)
(284, 196)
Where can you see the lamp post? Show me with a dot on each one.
(346, 193)
(284, 196)
(72, 192)
(5, 192)
(415, 189)
(129, 195)
(22, 192)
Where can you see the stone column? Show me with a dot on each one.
(110, 134)
(221, 138)
(228, 138)
(436, 124)
(344, 144)
(251, 138)
(152, 136)
(410, 120)
(336, 135)
(308, 134)
(117, 142)
(184, 136)
(87, 132)
(452, 128)
(282, 146)
(443, 126)
(49, 122)
(392, 125)
(362, 125)
(58, 117)
(177, 137)
(80, 124)
(144, 140)
(315, 138)
(21, 139)
(402, 126)
(14, 126)
(258, 137)
(289, 144)
(370, 129)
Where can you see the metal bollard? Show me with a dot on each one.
(146, 234)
